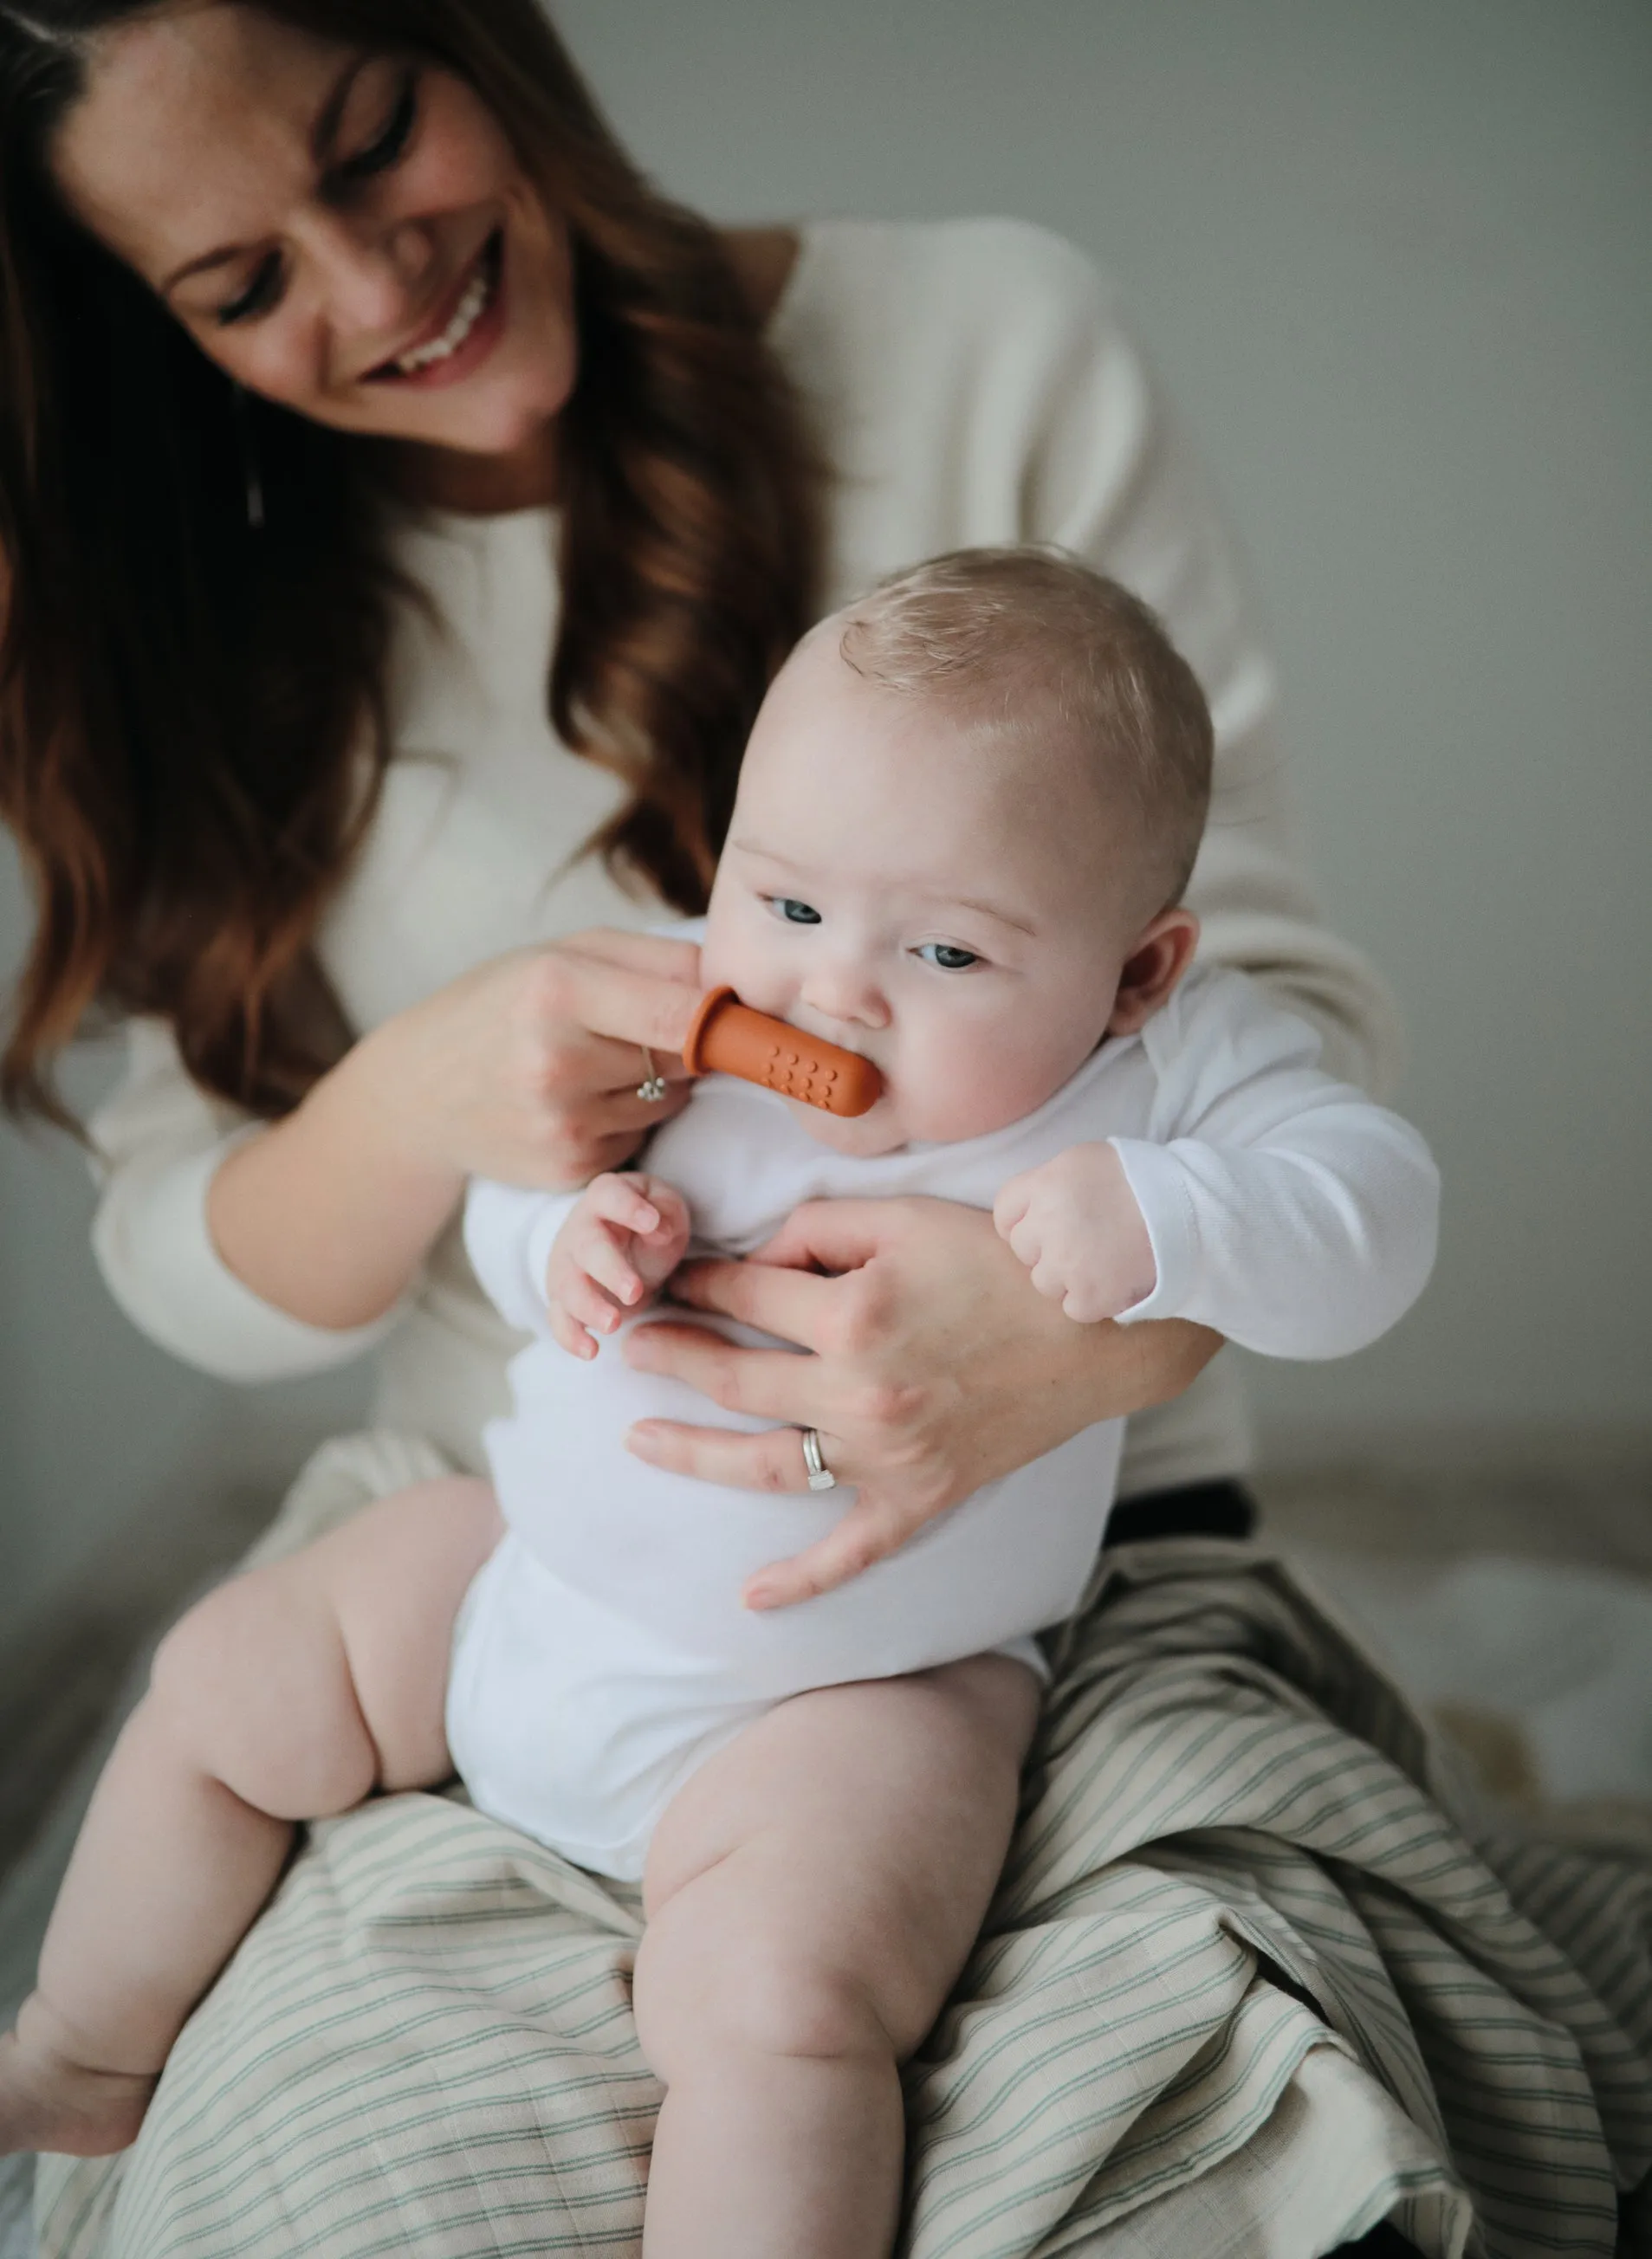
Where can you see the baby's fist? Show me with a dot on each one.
(619, 1245)
(1075, 1224)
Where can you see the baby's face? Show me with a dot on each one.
(953, 905)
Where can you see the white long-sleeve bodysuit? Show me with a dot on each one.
(604, 1652)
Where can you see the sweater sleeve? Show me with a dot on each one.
(157, 1142)
(1109, 474)
(1285, 1209)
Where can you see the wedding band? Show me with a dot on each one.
(820, 1475)
(652, 1088)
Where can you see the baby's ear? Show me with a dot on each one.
(1156, 962)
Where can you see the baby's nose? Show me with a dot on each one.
(841, 989)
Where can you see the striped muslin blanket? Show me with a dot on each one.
(1254, 1981)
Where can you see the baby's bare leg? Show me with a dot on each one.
(812, 1893)
(286, 1694)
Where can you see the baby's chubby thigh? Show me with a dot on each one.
(816, 1886)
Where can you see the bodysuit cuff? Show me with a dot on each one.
(1159, 1184)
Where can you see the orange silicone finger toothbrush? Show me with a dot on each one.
(728, 1037)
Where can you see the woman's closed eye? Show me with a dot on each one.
(387, 148)
(389, 144)
(259, 297)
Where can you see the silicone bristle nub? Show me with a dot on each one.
(729, 1038)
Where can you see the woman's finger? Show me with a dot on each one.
(607, 1136)
(771, 1461)
(654, 954)
(794, 1306)
(626, 1094)
(584, 1157)
(626, 1005)
(873, 1529)
(591, 1086)
(767, 1384)
(631, 1118)
(829, 1235)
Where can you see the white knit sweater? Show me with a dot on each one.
(970, 382)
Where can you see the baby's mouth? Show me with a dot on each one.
(474, 298)
(866, 1135)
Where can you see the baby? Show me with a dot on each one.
(966, 815)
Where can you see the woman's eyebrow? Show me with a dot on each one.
(322, 134)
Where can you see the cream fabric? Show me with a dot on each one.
(1247, 1988)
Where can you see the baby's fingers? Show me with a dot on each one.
(607, 1259)
(589, 1306)
(1051, 1279)
(1011, 1205)
(1027, 1241)
(569, 1334)
(622, 1200)
(672, 1210)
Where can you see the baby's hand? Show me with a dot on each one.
(1075, 1224)
(619, 1247)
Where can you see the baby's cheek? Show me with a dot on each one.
(733, 956)
(971, 1084)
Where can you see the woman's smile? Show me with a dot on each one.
(464, 330)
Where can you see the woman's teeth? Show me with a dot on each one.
(467, 314)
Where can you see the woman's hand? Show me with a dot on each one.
(526, 1070)
(936, 1367)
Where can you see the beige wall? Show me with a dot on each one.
(1393, 259)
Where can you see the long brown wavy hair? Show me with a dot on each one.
(186, 700)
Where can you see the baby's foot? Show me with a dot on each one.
(48, 2102)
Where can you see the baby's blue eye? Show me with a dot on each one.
(949, 958)
(794, 913)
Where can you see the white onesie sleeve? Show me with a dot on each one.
(1286, 1210)
(508, 1237)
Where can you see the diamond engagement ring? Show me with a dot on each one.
(652, 1088)
(820, 1475)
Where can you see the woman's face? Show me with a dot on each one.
(344, 231)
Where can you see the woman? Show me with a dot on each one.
(403, 510)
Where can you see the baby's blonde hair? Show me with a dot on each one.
(1032, 640)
